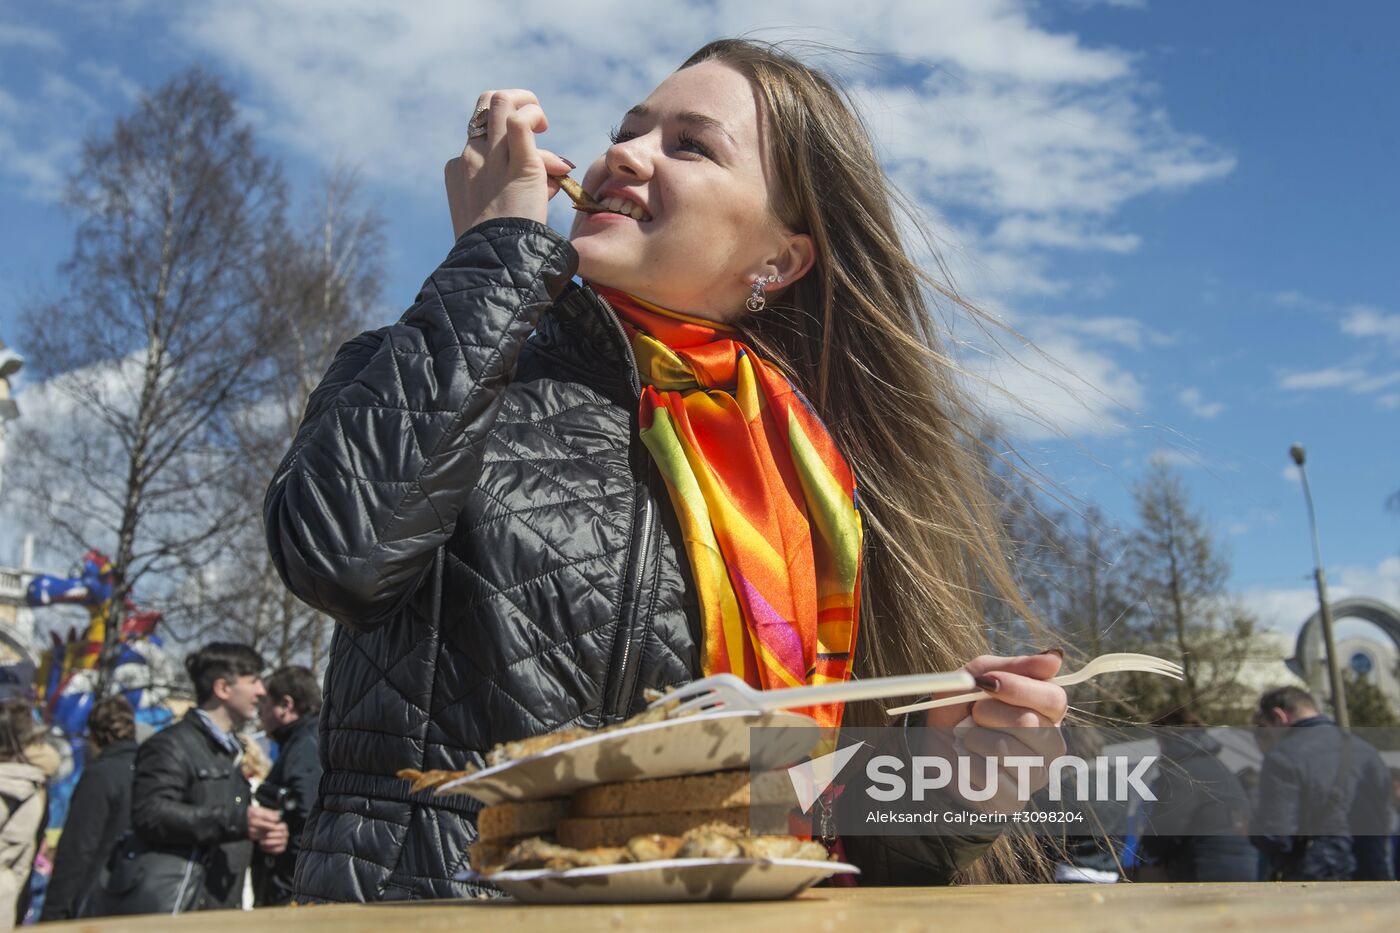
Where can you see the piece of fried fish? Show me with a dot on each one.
(582, 200)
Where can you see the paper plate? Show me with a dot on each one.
(736, 879)
(671, 748)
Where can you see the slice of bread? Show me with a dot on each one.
(527, 818)
(588, 832)
(720, 790)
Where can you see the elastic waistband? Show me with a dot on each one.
(379, 787)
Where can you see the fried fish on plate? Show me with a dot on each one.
(423, 780)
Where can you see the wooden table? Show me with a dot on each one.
(1281, 906)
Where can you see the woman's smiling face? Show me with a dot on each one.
(690, 157)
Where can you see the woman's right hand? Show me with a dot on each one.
(503, 174)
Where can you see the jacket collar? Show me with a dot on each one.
(118, 748)
(581, 331)
(20, 781)
(1318, 720)
(1186, 743)
(224, 743)
(294, 728)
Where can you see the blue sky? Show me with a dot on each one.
(1190, 206)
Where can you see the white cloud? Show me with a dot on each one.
(1176, 457)
(111, 78)
(1290, 474)
(1019, 232)
(1281, 610)
(40, 133)
(1194, 402)
(39, 165)
(1292, 299)
(1353, 378)
(1368, 371)
(1333, 377)
(1034, 138)
(1370, 322)
(1014, 118)
(1286, 609)
(1125, 331)
(1066, 154)
(1376, 382)
(1056, 387)
(29, 37)
(52, 408)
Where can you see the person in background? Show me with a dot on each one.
(99, 814)
(190, 798)
(1395, 821)
(1200, 820)
(26, 764)
(1323, 797)
(256, 765)
(290, 713)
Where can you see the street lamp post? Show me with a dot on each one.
(1334, 673)
(10, 363)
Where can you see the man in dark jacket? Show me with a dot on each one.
(190, 798)
(290, 714)
(1200, 820)
(1323, 797)
(100, 812)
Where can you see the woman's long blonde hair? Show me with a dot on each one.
(858, 338)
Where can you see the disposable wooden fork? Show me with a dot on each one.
(1103, 664)
(728, 692)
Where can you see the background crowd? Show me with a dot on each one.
(205, 814)
(199, 816)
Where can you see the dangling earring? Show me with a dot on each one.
(757, 300)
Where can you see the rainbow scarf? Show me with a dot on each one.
(766, 502)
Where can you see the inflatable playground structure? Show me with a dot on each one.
(69, 673)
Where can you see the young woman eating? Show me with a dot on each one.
(737, 446)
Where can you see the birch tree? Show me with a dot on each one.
(153, 342)
(323, 283)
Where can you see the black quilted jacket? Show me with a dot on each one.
(468, 497)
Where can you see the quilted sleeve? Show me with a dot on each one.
(390, 445)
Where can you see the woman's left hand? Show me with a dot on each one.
(1024, 703)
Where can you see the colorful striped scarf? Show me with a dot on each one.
(766, 502)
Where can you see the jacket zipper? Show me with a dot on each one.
(184, 881)
(637, 570)
(637, 602)
(634, 372)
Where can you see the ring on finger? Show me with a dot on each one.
(476, 126)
